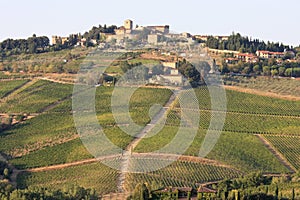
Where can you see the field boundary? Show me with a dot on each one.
(276, 153)
(261, 93)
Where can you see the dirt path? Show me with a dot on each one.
(138, 138)
(276, 153)
(136, 155)
(262, 93)
(66, 165)
(53, 80)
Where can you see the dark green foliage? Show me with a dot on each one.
(68, 193)
(237, 42)
(33, 44)
(189, 72)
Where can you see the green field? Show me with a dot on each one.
(282, 86)
(96, 175)
(139, 104)
(7, 87)
(287, 145)
(180, 174)
(248, 103)
(232, 148)
(36, 97)
(63, 153)
(52, 141)
(50, 138)
(146, 62)
(36, 133)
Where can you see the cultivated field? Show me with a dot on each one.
(49, 138)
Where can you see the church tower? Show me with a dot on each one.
(128, 24)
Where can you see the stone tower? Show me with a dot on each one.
(128, 24)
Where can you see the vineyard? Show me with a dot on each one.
(287, 145)
(283, 86)
(247, 103)
(96, 175)
(36, 97)
(180, 174)
(232, 148)
(62, 153)
(50, 138)
(9, 86)
(36, 133)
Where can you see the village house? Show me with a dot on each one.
(269, 54)
(170, 64)
(154, 39)
(231, 60)
(159, 29)
(173, 78)
(247, 57)
(59, 40)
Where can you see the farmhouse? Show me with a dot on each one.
(247, 57)
(269, 54)
(231, 60)
(59, 40)
(170, 64)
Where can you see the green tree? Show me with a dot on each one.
(274, 72)
(266, 71)
(288, 72)
(256, 69)
(6, 173)
(281, 71)
(32, 44)
(140, 192)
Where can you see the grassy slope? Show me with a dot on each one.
(243, 151)
(8, 86)
(96, 175)
(36, 97)
(181, 174)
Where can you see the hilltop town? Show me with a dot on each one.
(233, 54)
(240, 91)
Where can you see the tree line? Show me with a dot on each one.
(249, 187)
(33, 44)
(7, 192)
(237, 42)
(265, 68)
(40, 44)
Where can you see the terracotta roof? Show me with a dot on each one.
(271, 52)
(232, 59)
(277, 53)
(184, 189)
(246, 55)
